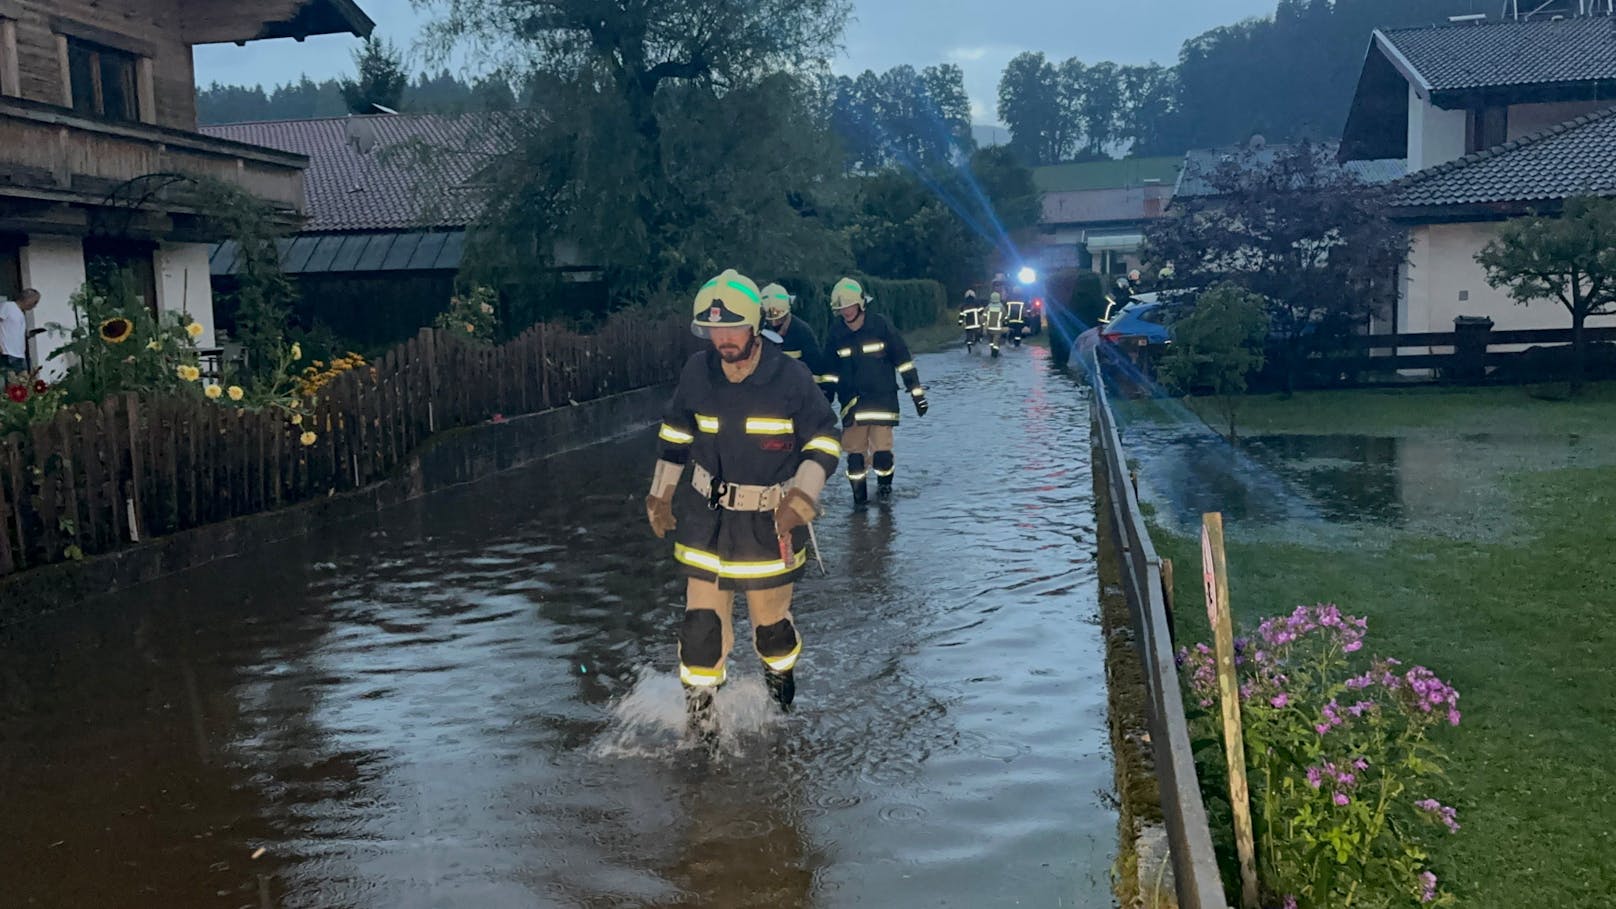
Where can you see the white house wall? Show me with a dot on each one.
(1525, 119)
(1445, 281)
(1435, 136)
(54, 266)
(184, 286)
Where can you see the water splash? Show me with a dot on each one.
(651, 719)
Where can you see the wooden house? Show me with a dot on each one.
(100, 155)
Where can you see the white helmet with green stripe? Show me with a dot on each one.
(727, 301)
(776, 302)
(846, 293)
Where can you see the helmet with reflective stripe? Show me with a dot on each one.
(776, 302)
(727, 301)
(995, 297)
(847, 292)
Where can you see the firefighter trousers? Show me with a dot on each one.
(708, 631)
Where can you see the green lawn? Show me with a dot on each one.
(1523, 623)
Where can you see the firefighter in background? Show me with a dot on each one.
(796, 339)
(1015, 320)
(865, 349)
(761, 443)
(993, 321)
(970, 318)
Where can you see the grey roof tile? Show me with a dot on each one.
(1576, 158)
(1498, 54)
(414, 175)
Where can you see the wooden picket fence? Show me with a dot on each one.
(101, 476)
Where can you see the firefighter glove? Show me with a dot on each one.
(796, 509)
(920, 405)
(660, 513)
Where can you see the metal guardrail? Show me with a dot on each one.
(1195, 866)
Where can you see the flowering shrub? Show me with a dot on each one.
(27, 400)
(1342, 768)
(471, 317)
(319, 374)
(116, 346)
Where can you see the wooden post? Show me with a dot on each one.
(1167, 601)
(1215, 572)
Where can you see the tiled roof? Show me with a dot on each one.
(1100, 206)
(383, 171)
(1119, 174)
(1510, 53)
(1572, 159)
(1201, 163)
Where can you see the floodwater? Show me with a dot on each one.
(470, 701)
(1335, 488)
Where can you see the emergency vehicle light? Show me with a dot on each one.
(1027, 276)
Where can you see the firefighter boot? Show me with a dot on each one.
(857, 475)
(885, 467)
(782, 686)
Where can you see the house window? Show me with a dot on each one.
(108, 260)
(1488, 127)
(102, 81)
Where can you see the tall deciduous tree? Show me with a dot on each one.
(381, 79)
(1569, 260)
(1291, 226)
(1030, 103)
(674, 139)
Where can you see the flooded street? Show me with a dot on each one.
(471, 700)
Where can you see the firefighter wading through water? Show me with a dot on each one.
(863, 349)
(797, 340)
(761, 443)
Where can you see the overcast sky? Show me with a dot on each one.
(980, 35)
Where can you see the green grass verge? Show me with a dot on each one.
(1526, 631)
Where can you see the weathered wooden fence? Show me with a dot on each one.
(99, 476)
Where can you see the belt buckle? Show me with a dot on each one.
(716, 494)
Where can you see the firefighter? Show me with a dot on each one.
(970, 319)
(796, 339)
(993, 321)
(1015, 320)
(865, 349)
(761, 443)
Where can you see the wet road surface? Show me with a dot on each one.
(471, 701)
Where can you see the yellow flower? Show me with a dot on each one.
(235, 392)
(154, 345)
(213, 392)
(319, 362)
(194, 329)
(308, 438)
(297, 351)
(188, 373)
(471, 329)
(116, 330)
(297, 419)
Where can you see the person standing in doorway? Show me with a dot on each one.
(14, 331)
(865, 349)
(761, 443)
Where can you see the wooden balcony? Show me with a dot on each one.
(77, 169)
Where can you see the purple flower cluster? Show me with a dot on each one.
(1283, 631)
(1427, 887)
(1438, 811)
(1203, 665)
(1431, 694)
(1341, 780)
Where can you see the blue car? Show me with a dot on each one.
(1140, 325)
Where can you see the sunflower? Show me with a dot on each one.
(117, 330)
(194, 329)
(235, 392)
(307, 438)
